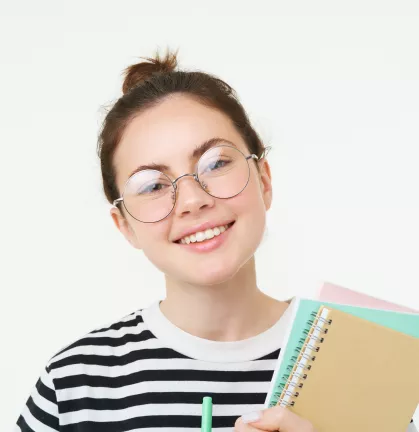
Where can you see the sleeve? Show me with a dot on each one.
(40, 414)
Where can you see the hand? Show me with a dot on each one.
(273, 419)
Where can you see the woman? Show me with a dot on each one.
(190, 186)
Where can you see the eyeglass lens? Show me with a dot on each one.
(222, 171)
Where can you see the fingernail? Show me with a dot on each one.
(251, 417)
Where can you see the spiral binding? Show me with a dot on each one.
(306, 350)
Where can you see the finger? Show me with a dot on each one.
(241, 426)
(278, 418)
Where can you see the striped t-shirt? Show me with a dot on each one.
(144, 373)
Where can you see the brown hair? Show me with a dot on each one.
(148, 83)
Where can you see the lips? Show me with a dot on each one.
(208, 245)
(203, 236)
(201, 228)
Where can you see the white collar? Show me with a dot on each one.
(214, 351)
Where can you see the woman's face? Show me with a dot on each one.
(167, 135)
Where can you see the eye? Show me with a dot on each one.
(216, 164)
(151, 188)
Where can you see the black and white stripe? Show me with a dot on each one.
(121, 378)
(142, 373)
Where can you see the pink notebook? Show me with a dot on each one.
(337, 294)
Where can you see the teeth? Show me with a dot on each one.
(209, 233)
(204, 235)
(200, 236)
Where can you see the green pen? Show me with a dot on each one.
(206, 419)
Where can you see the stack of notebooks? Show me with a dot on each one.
(347, 367)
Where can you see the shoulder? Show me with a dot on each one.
(105, 344)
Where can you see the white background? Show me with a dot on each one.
(332, 86)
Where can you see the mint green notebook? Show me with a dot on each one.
(302, 311)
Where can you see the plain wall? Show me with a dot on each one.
(332, 86)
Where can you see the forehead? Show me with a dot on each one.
(168, 134)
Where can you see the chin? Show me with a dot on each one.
(213, 279)
(212, 274)
(211, 268)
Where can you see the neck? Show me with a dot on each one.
(233, 310)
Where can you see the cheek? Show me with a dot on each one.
(250, 200)
(152, 239)
(250, 209)
(149, 235)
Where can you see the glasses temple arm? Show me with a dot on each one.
(264, 153)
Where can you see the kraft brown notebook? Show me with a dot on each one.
(353, 375)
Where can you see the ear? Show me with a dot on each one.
(124, 227)
(266, 182)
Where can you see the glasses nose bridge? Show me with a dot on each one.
(195, 177)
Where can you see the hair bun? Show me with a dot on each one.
(140, 72)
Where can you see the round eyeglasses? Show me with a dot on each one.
(222, 171)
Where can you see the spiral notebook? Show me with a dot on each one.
(349, 368)
(333, 293)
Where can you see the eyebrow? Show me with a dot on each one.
(198, 151)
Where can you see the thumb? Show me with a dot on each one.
(278, 418)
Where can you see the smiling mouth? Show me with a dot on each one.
(203, 236)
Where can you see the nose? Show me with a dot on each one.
(191, 198)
